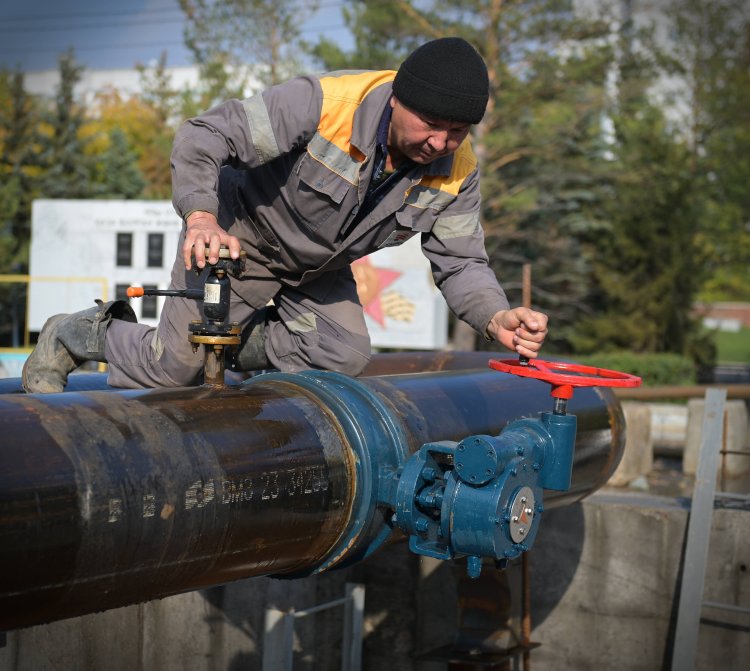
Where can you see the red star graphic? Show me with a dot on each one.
(371, 281)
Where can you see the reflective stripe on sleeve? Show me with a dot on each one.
(456, 226)
(261, 129)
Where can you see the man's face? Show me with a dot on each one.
(421, 138)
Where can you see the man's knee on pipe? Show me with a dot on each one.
(142, 356)
(309, 342)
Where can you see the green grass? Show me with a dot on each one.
(733, 347)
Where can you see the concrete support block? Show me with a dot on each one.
(204, 630)
(110, 640)
(668, 428)
(606, 578)
(735, 439)
(638, 457)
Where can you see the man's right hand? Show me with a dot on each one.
(203, 232)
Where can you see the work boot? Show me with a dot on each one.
(67, 341)
(251, 353)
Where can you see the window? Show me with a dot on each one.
(121, 292)
(124, 249)
(155, 250)
(148, 304)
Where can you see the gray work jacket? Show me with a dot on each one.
(287, 170)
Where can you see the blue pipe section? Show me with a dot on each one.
(480, 497)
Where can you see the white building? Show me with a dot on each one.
(125, 80)
(82, 250)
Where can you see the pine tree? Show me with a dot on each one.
(19, 115)
(712, 55)
(650, 263)
(649, 266)
(384, 33)
(69, 170)
(19, 169)
(120, 176)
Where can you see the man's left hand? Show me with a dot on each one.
(521, 330)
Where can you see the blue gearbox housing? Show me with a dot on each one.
(483, 496)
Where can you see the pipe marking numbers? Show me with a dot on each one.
(270, 486)
(149, 505)
(199, 494)
(234, 492)
(292, 483)
(115, 510)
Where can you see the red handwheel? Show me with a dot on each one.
(565, 376)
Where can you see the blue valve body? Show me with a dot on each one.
(482, 497)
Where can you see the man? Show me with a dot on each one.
(307, 177)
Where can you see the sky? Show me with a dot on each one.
(115, 35)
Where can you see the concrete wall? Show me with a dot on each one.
(610, 601)
(604, 578)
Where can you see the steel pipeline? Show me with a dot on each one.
(112, 498)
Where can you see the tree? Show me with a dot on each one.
(148, 132)
(157, 92)
(384, 33)
(69, 170)
(119, 174)
(712, 57)
(19, 169)
(649, 265)
(544, 142)
(226, 36)
(19, 173)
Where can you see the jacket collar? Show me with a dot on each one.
(365, 130)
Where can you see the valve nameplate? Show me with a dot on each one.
(522, 508)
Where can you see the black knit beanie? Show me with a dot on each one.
(445, 79)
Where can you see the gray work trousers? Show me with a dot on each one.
(312, 329)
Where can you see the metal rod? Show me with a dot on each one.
(526, 285)
(698, 533)
(321, 607)
(736, 497)
(354, 617)
(726, 606)
(673, 391)
(526, 611)
(185, 293)
(559, 408)
(278, 639)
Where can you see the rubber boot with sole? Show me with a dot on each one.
(67, 341)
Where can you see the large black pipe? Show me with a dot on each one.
(112, 498)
